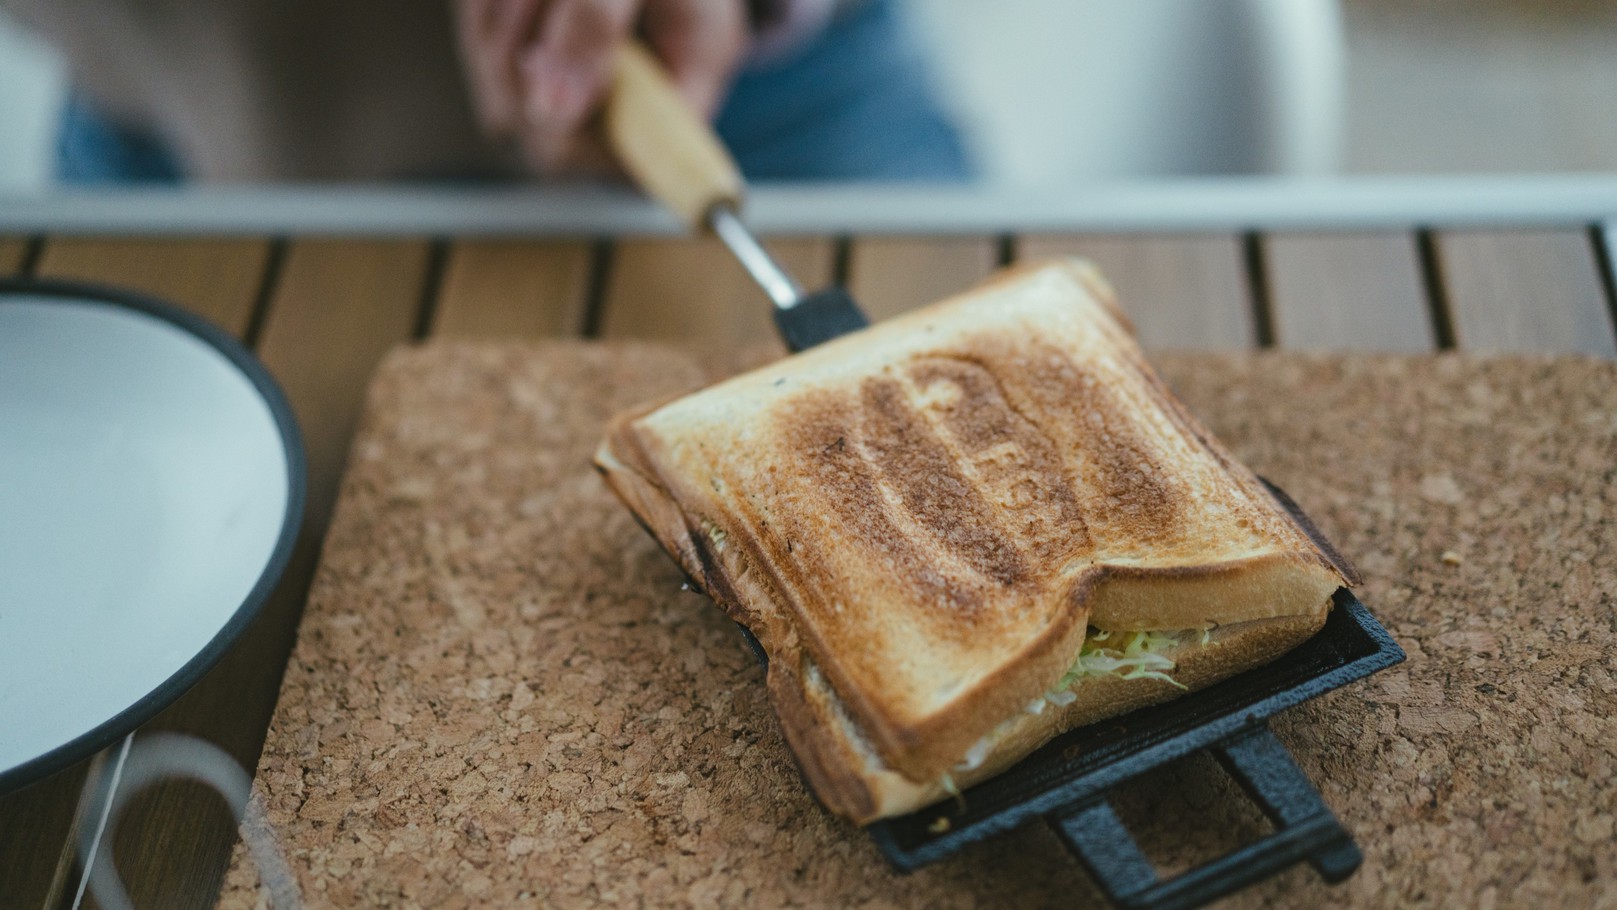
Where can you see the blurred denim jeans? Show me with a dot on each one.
(854, 103)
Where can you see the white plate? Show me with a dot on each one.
(151, 487)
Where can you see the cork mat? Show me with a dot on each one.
(501, 697)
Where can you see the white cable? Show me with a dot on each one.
(91, 838)
(164, 756)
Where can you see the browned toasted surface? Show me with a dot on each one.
(500, 697)
(832, 749)
(851, 781)
(933, 511)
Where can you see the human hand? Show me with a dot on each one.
(538, 69)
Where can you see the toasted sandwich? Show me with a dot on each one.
(961, 532)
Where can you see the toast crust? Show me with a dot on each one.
(845, 769)
(920, 522)
(850, 779)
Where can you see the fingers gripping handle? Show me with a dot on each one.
(664, 145)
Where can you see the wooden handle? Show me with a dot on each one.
(664, 145)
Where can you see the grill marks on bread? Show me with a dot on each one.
(938, 453)
(928, 479)
(1013, 461)
(824, 438)
(933, 510)
(932, 459)
(1131, 486)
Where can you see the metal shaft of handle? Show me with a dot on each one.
(781, 287)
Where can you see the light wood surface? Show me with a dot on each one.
(1535, 290)
(1188, 292)
(338, 307)
(1361, 291)
(216, 279)
(889, 275)
(693, 290)
(36, 828)
(665, 145)
(13, 250)
(514, 288)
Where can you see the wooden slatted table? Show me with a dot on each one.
(322, 310)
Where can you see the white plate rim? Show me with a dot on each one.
(167, 692)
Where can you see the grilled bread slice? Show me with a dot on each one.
(965, 530)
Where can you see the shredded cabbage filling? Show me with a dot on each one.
(1128, 655)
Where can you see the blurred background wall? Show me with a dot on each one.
(1054, 91)
(1482, 85)
(32, 86)
(1430, 86)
